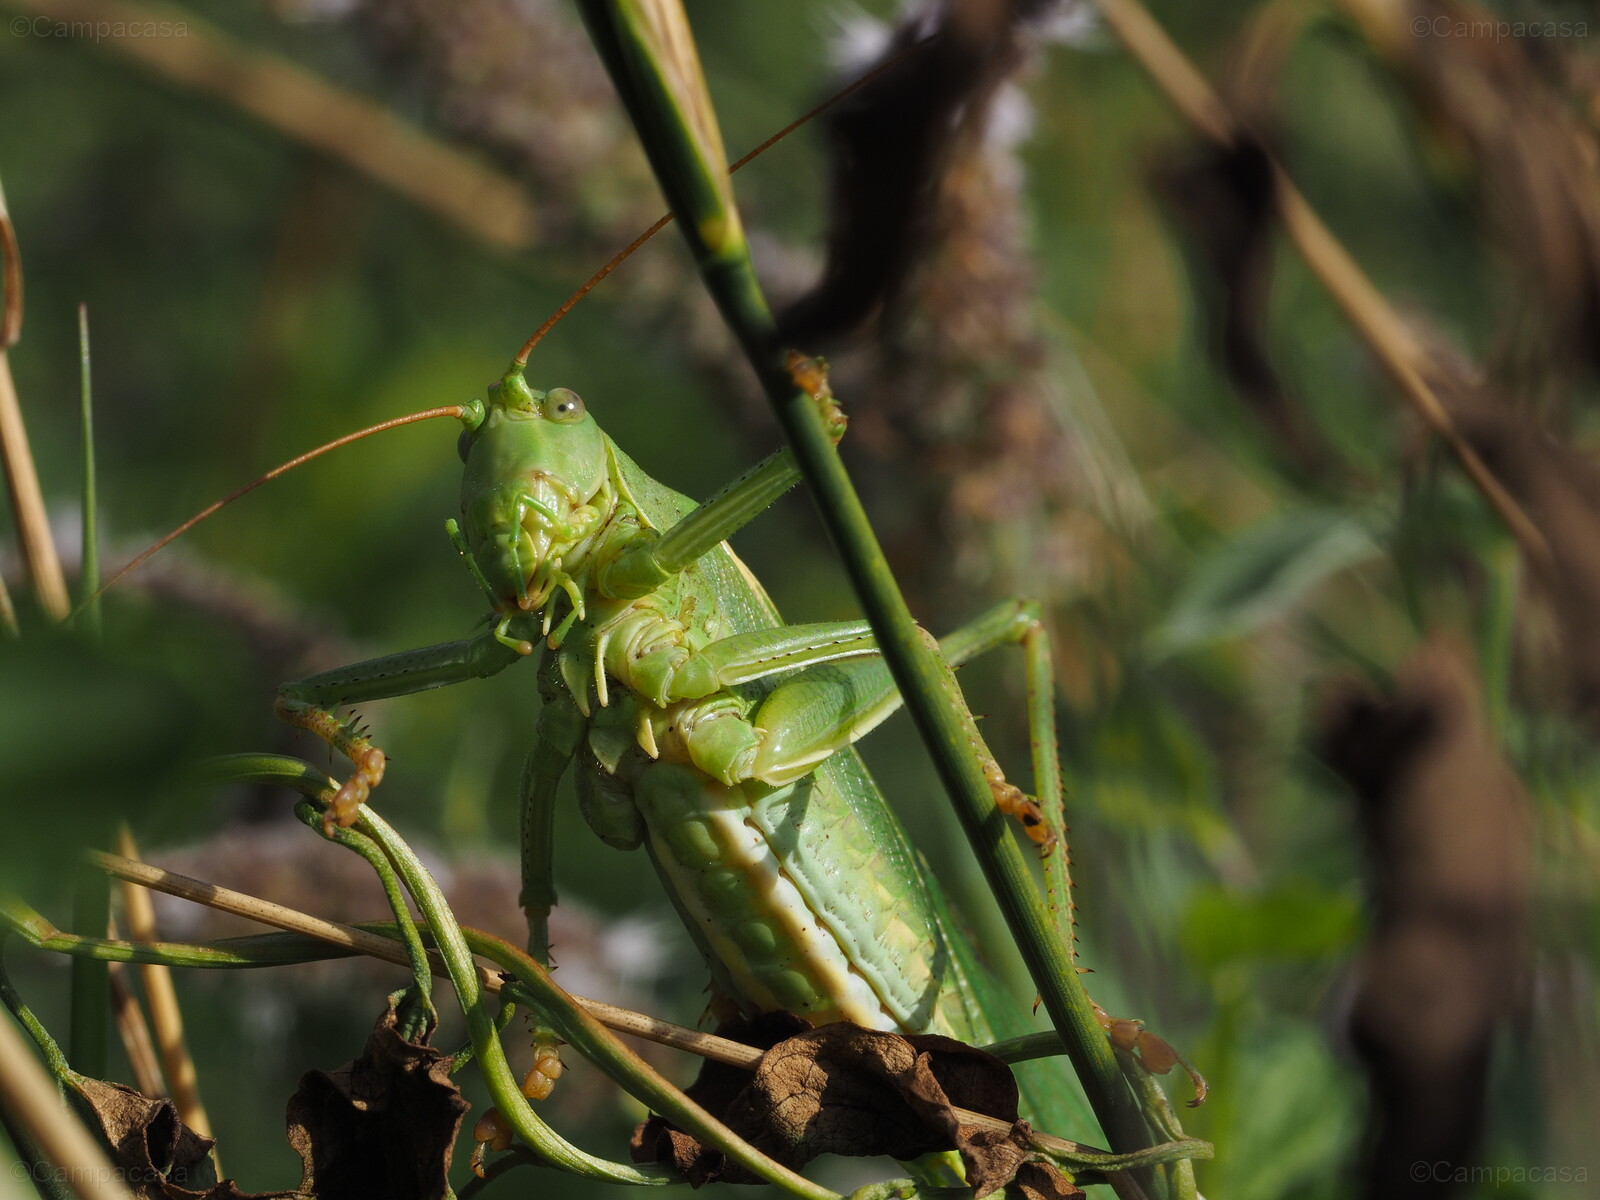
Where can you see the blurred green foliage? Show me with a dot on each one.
(249, 299)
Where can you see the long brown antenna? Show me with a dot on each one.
(456, 410)
(449, 410)
(626, 252)
(616, 261)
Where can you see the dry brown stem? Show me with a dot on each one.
(1408, 365)
(374, 945)
(30, 1098)
(135, 1032)
(165, 1015)
(22, 477)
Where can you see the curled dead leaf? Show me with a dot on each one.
(383, 1125)
(1222, 199)
(157, 1156)
(890, 149)
(1449, 845)
(1038, 1181)
(658, 1140)
(842, 1089)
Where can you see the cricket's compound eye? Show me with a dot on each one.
(563, 405)
(464, 443)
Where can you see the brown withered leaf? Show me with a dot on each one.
(383, 1125)
(715, 1088)
(1495, 103)
(842, 1089)
(1559, 487)
(888, 144)
(1223, 199)
(156, 1155)
(1449, 843)
(1040, 1181)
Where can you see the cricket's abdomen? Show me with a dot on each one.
(798, 904)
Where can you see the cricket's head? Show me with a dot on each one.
(534, 489)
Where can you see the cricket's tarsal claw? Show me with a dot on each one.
(540, 1081)
(372, 766)
(344, 809)
(1014, 802)
(810, 375)
(1150, 1051)
(492, 1133)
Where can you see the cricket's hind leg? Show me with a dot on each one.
(826, 707)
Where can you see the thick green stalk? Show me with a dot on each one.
(650, 55)
(90, 1020)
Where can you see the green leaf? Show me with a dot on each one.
(1297, 921)
(1259, 574)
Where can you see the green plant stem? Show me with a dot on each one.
(259, 950)
(421, 1018)
(54, 1060)
(90, 1022)
(529, 984)
(660, 91)
(602, 1047)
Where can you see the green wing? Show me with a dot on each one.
(848, 830)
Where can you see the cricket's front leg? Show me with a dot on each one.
(312, 704)
(559, 732)
(649, 562)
